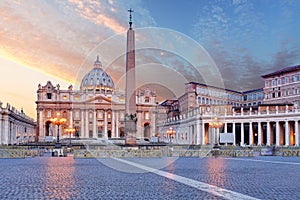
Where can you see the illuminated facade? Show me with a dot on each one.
(15, 126)
(96, 110)
(266, 116)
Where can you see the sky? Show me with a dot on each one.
(218, 42)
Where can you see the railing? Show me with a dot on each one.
(261, 113)
(20, 153)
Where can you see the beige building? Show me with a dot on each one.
(283, 86)
(15, 126)
(251, 117)
(96, 110)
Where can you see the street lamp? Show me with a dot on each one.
(216, 124)
(171, 133)
(58, 121)
(70, 130)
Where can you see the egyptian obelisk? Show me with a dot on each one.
(130, 99)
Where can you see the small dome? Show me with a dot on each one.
(97, 78)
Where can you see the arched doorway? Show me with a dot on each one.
(122, 134)
(49, 129)
(147, 130)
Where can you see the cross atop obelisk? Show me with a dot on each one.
(130, 18)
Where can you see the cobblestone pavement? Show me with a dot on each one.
(68, 178)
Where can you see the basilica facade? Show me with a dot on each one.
(96, 110)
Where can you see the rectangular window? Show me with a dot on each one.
(147, 117)
(254, 97)
(100, 115)
(286, 80)
(267, 83)
(147, 99)
(77, 97)
(49, 114)
(273, 82)
(49, 95)
(295, 78)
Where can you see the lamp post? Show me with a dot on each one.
(170, 132)
(70, 130)
(58, 121)
(216, 124)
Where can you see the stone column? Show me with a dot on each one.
(6, 130)
(41, 130)
(71, 119)
(117, 124)
(189, 134)
(1, 131)
(82, 134)
(87, 124)
(139, 132)
(242, 134)
(268, 134)
(250, 133)
(233, 131)
(20, 132)
(203, 134)
(198, 133)
(153, 124)
(218, 135)
(259, 132)
(287, 133)
(12, 133)
(225, 127)
(95, 130)
(105, 124)
(296, 133)
(277, 134)
(113, 124)
(176, 136)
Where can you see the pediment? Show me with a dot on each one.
(100, 99)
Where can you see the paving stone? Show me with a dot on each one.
(68, 178)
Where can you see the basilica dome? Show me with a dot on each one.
(97, 79)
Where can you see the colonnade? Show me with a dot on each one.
(274, 132)
(16, 127)
(279, 128)
(89, 123)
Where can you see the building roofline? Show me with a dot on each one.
(202, 84)
(282, 71)
(254, 90)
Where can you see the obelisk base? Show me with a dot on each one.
(130, 130)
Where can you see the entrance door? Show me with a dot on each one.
(147, 130)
